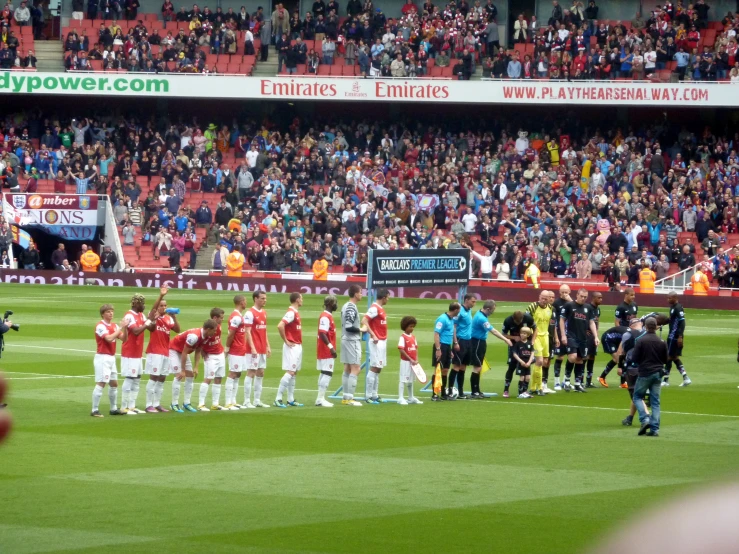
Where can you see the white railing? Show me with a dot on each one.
(680, 281)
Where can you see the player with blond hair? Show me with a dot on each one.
(106, 333)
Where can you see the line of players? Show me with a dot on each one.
(571, 334)
(247, 347)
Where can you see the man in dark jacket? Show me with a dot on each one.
(30, 258)
(204, 215)
(108, 260)
(650, 356)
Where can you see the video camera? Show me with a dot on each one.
(14, 327)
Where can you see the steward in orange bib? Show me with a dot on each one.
(235, 262)
(699, 283)
(89, 261)
(646, 279)
(320, 269)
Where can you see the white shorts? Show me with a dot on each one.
(157, 364)
(131, 367)
(256, 361)
(378, 353)
(174, 362)
(237, 364)
(325, 365)
(105, 370)
(406, 373)
(215, 366)
(292, 358)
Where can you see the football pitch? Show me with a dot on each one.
(547, 475)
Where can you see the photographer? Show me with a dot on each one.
(5, 326)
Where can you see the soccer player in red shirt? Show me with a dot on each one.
(106, 333)
(160, 324)
(326, 349)
(237, 342)
(255, 319)
(408, 348)
(376, 321)
(180, 364)
(214, 361)
(131, 353)
(292, 350)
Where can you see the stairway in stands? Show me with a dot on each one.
(49, 55)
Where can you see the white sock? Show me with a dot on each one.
(284, 382)
(176, 384)
(556, 380)
(247, 389)
(126, 393)
(135, 385)
(158, 393)
(291, 389)
(376, 386)
(113, 397)
(188, 389)
(370, 384)
(229, 391)
(410, 390)
(202, 394)
(97, 394)
(216, 394)
(401, 390)
(236, 389)
(151, 386)
(345, 386)
(258, 389)
(323, 382)
(351, 382)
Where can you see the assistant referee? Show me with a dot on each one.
(444, 337)
(461, 348)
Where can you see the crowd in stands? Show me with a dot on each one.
(675, 39)
(579, 201)
(448, 40)
(19, 26)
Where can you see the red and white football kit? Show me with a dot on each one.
(193, 338)
(292, 356)
(256, 323)
(133, 349)
(237, 351)
(377, 319)
(324, 360)
(214, 358)
(104, 361)
(408, 345)
(157, 351)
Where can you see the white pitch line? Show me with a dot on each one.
(50, 377)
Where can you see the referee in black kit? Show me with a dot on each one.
(650, 356)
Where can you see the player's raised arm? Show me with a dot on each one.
(153, 312)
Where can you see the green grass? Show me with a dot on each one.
(547, 475)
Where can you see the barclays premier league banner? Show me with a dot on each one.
(410, 268)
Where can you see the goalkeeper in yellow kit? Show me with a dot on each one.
(541, 311)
